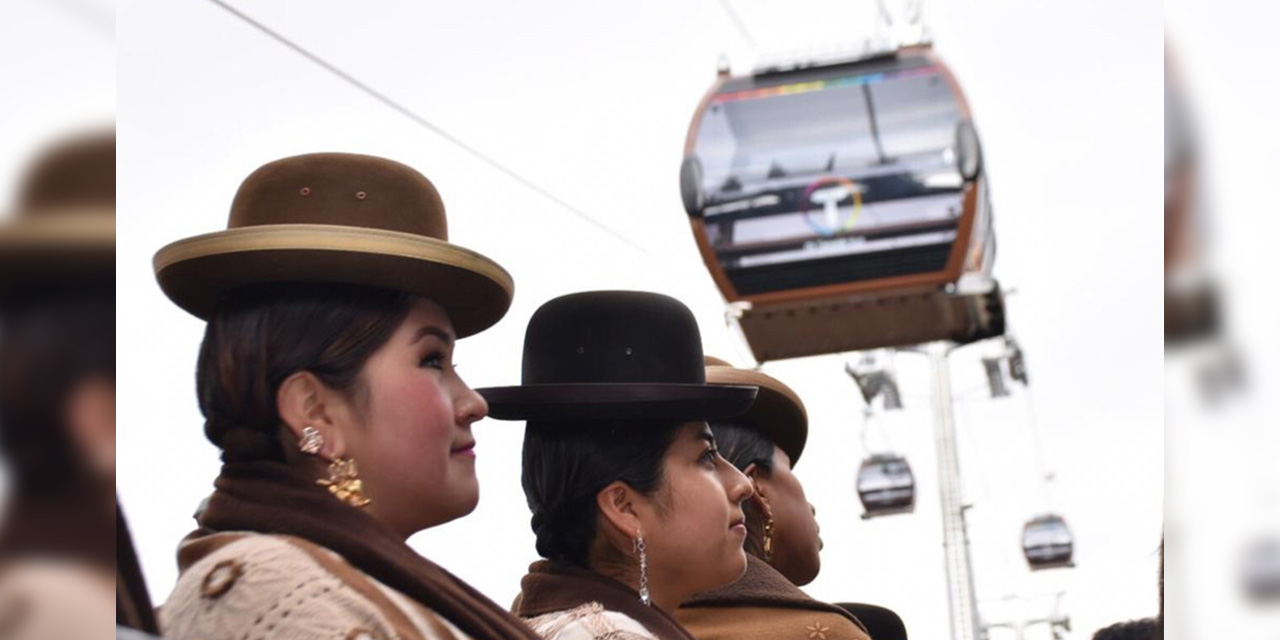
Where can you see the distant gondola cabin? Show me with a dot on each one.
(886, 485)
(1047, 542)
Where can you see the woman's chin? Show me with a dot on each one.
(739, 566)
(466, 497)
(809, 574)
(469, 501)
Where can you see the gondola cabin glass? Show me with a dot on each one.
(1047, 542)
(832, 177)
(846, 203)
(886, 485)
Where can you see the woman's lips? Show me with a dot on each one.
(467, 450)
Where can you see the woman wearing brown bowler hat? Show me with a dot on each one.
(334, 301)
(62, 533)
(633, 507)
(782, 543)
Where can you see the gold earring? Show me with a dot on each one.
(768, 521)
(768, 539)
(768, 533)
(345, 484)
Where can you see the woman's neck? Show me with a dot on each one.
(661, 596)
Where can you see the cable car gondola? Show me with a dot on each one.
(886, 486)
(1047, 542)
(843, 206)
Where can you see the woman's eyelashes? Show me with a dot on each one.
(435, 360)
(709, 456)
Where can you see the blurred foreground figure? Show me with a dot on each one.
(1191, 297)
(1222, 504)
(61, 555)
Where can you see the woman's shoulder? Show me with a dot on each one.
(250, 585)
(767, 623)
(38, 594)
(590, 621)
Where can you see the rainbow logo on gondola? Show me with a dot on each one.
(819, 85)
(830, 206)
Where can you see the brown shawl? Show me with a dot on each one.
(763, 586)
(558, 586)
(269, 497)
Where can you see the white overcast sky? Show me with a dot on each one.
(591, 101)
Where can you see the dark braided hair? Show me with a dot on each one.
(567, 464)
(262, 334)
(743, 445)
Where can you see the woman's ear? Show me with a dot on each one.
(759, 482)
(618, 505)
(303, 401)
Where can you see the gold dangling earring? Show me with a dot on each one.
(768, 533)
(345, 484)
(768, 521)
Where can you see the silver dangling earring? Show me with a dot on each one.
(311, 441)
(644, 569)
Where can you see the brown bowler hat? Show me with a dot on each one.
(64, 228)
(777, 411)
(342, 218)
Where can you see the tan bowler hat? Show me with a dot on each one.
(64, 228)
(341, 218)
(777, 410)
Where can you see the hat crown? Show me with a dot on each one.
(74, 174)
(340, 189)
(614, 337)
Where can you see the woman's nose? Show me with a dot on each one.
(470, 406)
(737, 485)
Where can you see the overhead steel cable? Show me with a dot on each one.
(737, 22)
(426, 124)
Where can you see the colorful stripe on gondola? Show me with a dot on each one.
(819, 85)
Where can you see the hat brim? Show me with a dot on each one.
(777, 410)
(65, 246)
(609, 401)
(474, 290)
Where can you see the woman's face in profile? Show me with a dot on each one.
(695, 531)
(796, 542)
(412, 433)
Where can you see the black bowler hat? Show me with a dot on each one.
(608, 355)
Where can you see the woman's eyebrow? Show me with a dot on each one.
(432, 330)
